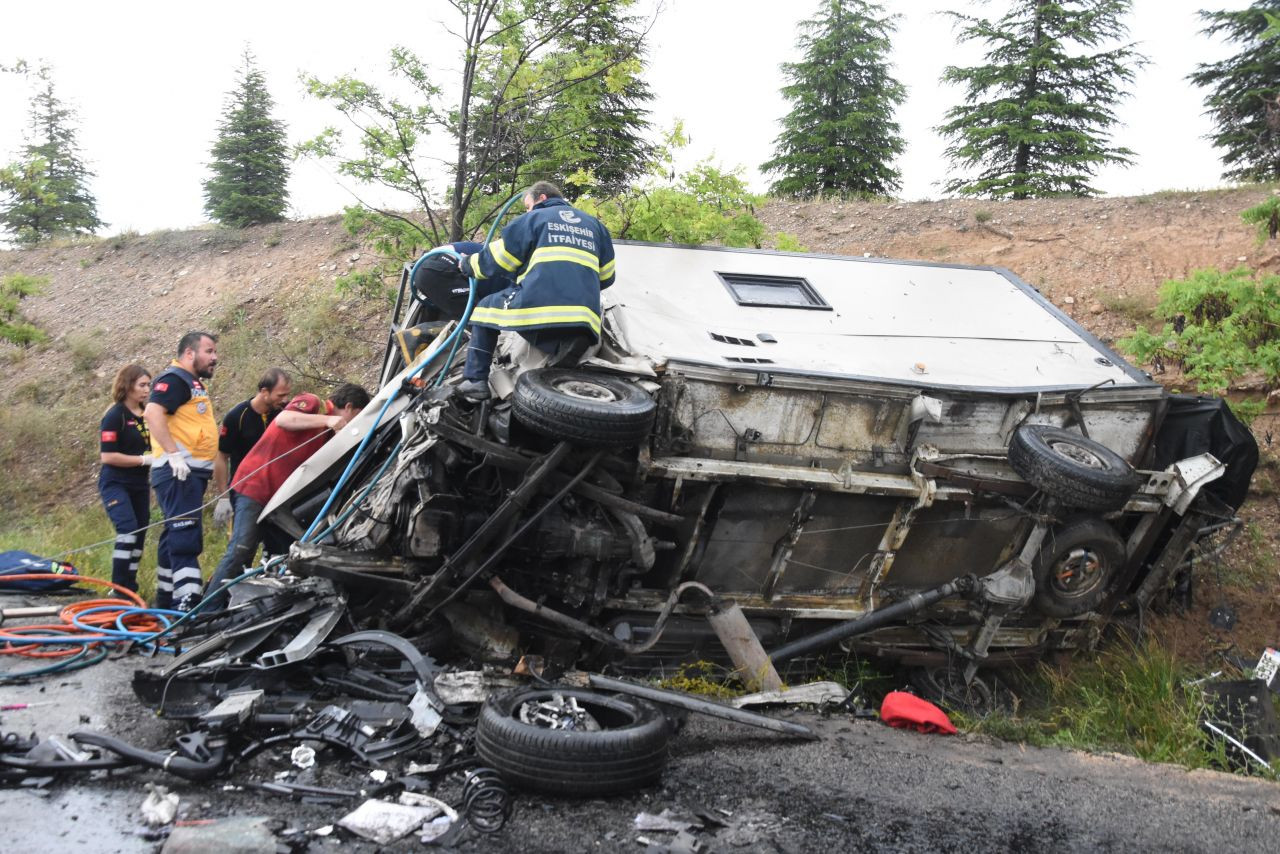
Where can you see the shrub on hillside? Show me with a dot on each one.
(1219, 327)
(15, 328)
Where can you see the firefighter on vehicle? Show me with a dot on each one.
(561, 258)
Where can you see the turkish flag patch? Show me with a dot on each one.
(222, 431)
(108, 435)
(160, 387)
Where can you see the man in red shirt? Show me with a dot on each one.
(289, 441)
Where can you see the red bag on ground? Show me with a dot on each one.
(907, 711)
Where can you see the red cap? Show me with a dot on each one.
(907, 711)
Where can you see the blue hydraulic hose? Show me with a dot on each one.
(452, 341)
(63, 665)
(356, 503)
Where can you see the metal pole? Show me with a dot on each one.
(694, 704)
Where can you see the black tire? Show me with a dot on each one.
(593, 409)
(628, 752)
(944, 685)
(1075, 567)
(1075, 470)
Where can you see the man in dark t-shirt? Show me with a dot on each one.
(241, 429)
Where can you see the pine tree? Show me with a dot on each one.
(598, 126)
(1244, 92)
(250, 157)
(47, 189)
(840, 136)
(578, 110)
(1036, 118)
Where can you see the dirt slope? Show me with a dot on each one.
(132, 295)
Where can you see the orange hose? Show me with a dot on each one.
(13, 642)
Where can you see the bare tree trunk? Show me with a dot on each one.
(1022, 158)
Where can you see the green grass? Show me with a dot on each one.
(1139, 310)
(1125, 699)
(1212, 192)
(72, 529)
(86, 349)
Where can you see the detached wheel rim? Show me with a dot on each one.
(585, 389)
(1077, 574)
(1077, 454)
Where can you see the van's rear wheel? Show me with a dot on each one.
(1077, 471)
(593, 409)
(1075, 567)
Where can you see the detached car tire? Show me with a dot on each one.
(628, 752)
(1077, 471)
(1075, 567)
(593, 409)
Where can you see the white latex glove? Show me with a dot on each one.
(222, 512)
(148, 460)
(178, 465)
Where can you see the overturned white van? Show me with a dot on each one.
(928, 462)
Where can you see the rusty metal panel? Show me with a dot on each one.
(836, 546)
(749, 522)
(718, 415)
(949, 540)
(862, 425)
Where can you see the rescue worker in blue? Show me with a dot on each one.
(125, 451)
(184, 442)
(561, 258)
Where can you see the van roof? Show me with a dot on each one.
(908, 322)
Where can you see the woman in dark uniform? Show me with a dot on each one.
(126, 464)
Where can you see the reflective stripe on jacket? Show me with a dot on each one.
(192, 425)
(561, 259)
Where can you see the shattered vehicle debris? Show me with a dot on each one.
(768, 458)
(778, 452)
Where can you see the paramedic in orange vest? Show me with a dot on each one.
(184, 443)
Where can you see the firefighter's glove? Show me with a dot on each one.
(222, 512)
(464, 265)
(178, 465)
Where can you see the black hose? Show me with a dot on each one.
(179, 766)
(874, 620)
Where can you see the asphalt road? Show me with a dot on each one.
(861, 787)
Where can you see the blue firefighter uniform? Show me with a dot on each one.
(561, 258)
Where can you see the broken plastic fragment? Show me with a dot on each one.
(665, 820)
(384, 822)
(160, 806)
(814, 693)
(436, 828)
(303, 757)
(437, 806)
(425, 715)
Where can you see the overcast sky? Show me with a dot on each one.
(149, 80)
